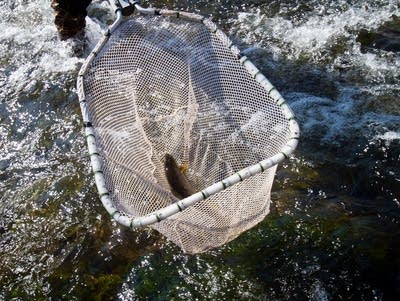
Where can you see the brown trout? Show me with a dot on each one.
(180, 186)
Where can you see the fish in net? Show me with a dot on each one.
(184, 133)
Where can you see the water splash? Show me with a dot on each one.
(322, 26)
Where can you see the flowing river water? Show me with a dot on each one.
(333, 233)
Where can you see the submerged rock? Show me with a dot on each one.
(386, 37)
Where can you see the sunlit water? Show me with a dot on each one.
(333, 233)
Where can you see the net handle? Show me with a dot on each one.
(161, 214)
(128, 7)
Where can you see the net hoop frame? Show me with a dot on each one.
(161, 214)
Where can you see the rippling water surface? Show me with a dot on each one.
(333, 233)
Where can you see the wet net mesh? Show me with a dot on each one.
(162, 86)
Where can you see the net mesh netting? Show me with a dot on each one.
(162, 86)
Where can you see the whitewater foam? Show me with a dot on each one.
(389, 136)
(318, 37)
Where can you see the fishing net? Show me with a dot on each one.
(171, 84)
